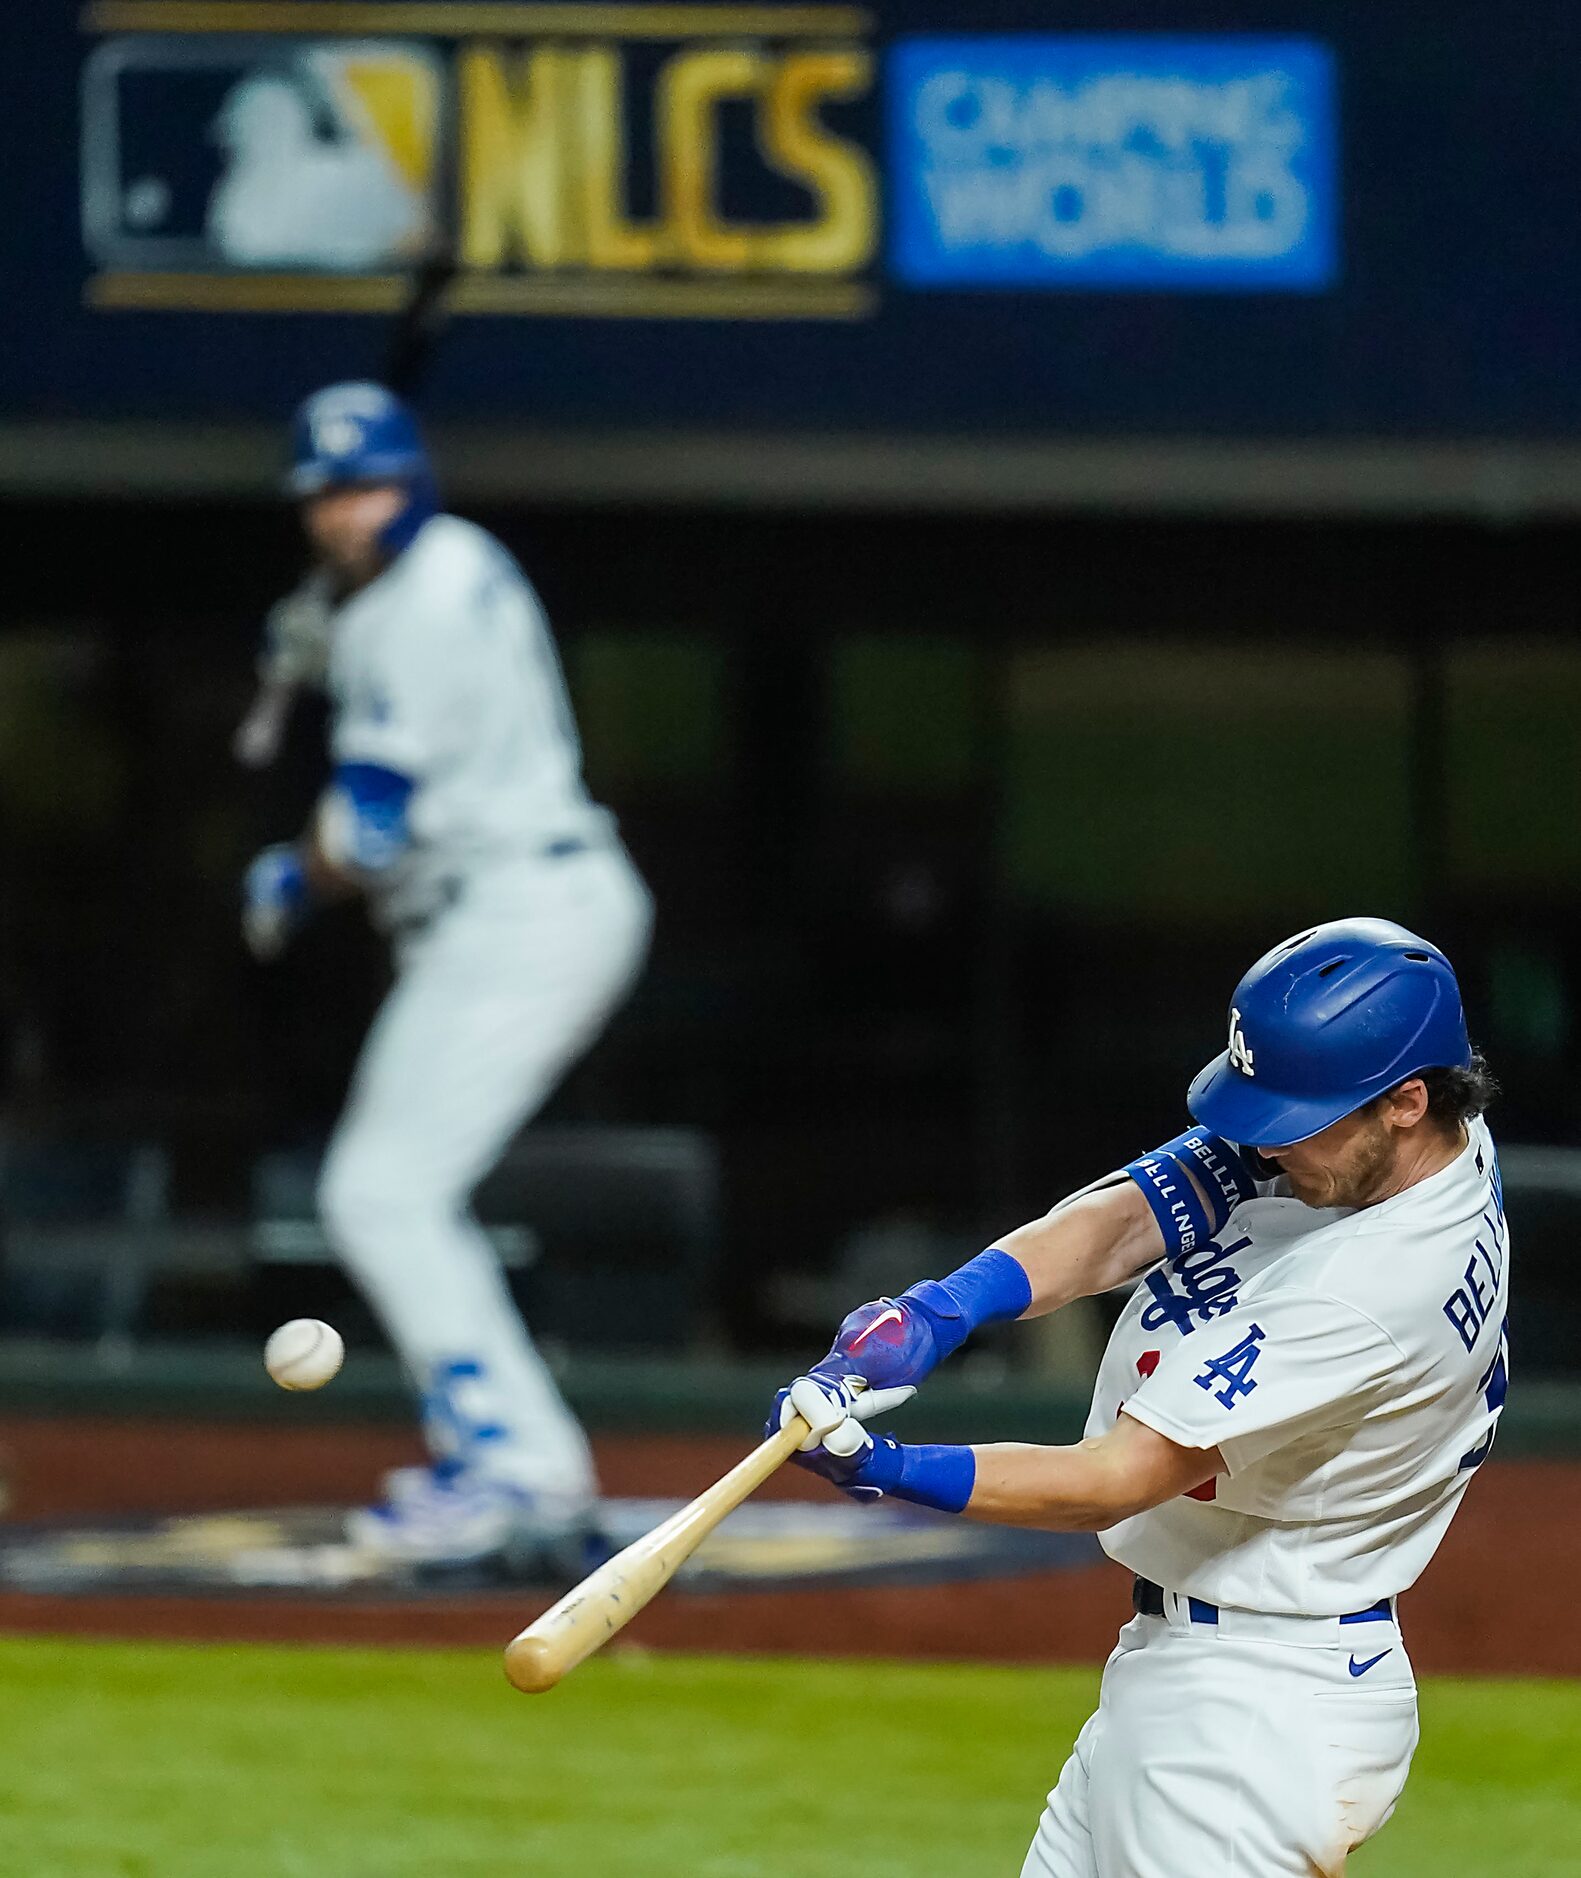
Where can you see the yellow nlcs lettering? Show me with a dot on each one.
(543, 158)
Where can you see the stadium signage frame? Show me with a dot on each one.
(512, 136)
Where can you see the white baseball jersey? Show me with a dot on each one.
(443, 669)
(1350, 1365)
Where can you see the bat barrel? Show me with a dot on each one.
(531, 1664)
(607, 1600)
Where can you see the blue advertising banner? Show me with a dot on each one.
(1122, 162)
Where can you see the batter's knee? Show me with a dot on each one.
(361, 1205)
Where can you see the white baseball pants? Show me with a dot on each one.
(492, 1005)
(1254, 1748)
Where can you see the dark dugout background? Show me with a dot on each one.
(981, 686)
(961, 832)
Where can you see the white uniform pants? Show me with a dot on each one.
(1254, 1748)
(492, 1005)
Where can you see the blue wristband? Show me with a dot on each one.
(939, 1477)
(1190, 1211)
(365, 824)
(992, 1288)
(1221, 1170)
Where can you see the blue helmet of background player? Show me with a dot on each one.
(360, 433)
(1325, 1022)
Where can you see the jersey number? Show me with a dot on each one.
(1494, 1382)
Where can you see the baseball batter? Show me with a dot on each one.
(456, 806)
(1293, 1401)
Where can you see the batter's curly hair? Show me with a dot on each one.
(1455, 1095)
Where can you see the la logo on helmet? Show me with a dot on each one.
(335, 433)
(1240, 1049)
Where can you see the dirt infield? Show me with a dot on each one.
(1489, 1603)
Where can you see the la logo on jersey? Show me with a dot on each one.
(1234, 1369)
(1240, 1049)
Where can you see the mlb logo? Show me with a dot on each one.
(305, 155)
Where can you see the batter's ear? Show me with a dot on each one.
(1406, 1103)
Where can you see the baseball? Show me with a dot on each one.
(304, 1354)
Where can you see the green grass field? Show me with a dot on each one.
(139, 1761)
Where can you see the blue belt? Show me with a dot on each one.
(1147, 1600)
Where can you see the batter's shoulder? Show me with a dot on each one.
(1393, 1269)
(452, 554)
(1323, 1259)
(1356, 1272)
(454, 575)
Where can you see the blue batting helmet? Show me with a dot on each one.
(1325, 1022)
(361, 433)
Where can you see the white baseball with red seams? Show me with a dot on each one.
(304, 1353)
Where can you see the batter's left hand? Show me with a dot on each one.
(890, 1343)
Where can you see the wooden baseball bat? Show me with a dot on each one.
(607, 1599)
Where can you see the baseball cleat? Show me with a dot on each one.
(447, 1515)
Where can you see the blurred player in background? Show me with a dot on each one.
(456, 806)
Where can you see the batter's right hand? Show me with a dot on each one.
(836, 1445)
(274, 900)
(826, 1406)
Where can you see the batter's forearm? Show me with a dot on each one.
(1089, 1243)
(1089, 1486)
(1054, 1489)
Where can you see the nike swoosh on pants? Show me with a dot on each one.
(1360, 1669)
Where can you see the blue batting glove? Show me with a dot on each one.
(867, 1467)
(896, 1343)
(892, 1343)
(275, 900)
(834, 1412)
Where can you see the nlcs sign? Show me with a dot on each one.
(626, 159)
(544, 161)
